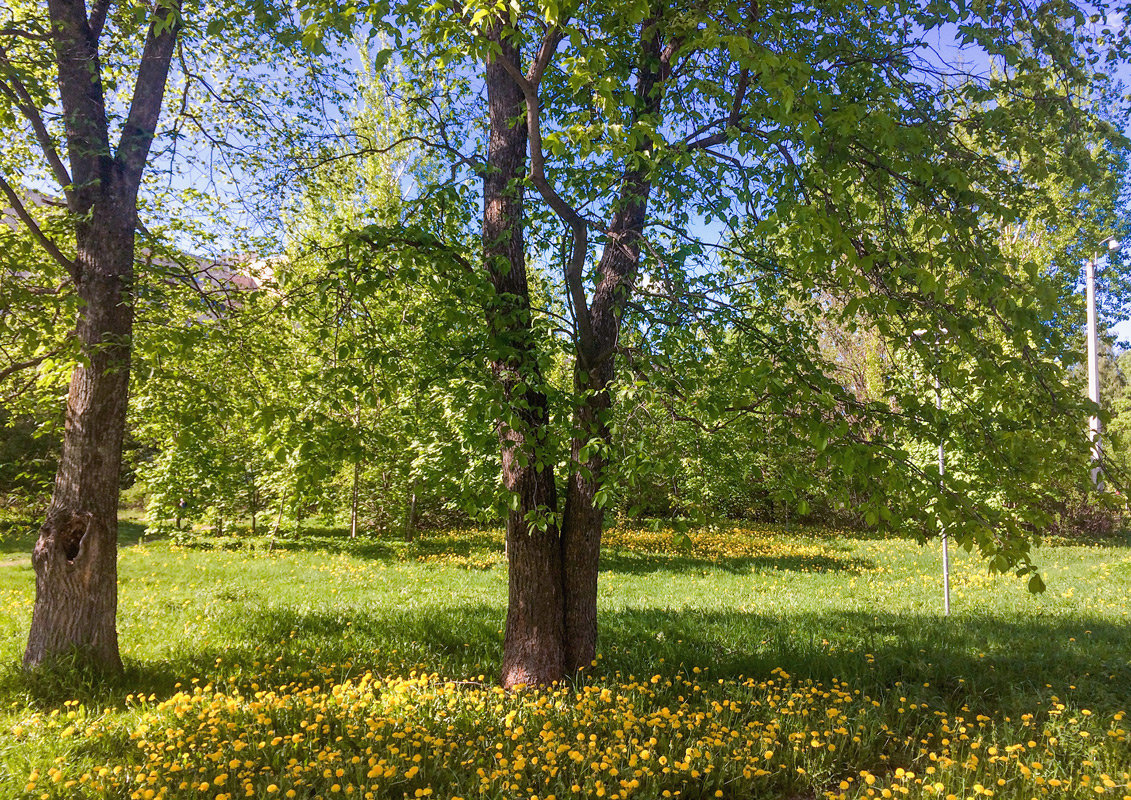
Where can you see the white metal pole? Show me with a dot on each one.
(942, 472)
(1094, 375)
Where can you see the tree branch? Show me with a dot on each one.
(546, 51)
(12, 369)
(626, 229)
(82, 100)
(375, 150)
(579, 226)
(45, 241)
(696, 141)
(98, 17)
(25, 34)
(145, 108)
(20, 96)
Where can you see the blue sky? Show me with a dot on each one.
(1123, 330)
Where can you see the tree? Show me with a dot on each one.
(76, 556)
(81, 94)
(347, 392)
(757, 158)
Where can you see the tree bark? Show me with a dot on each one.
(532, 649)
(75, 558)
(552, 611)
(584, 518)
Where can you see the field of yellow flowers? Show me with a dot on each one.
(753, 662)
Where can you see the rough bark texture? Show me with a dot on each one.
(552, 613)
(75, 558)
(584, 520)
(533, 652)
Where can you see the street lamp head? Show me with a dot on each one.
(1112, 243)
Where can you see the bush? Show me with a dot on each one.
(1084, 515)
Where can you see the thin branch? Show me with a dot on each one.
(546, 51)
(579, 226)
(44, 291)
(475, 166)
(45, 241)
(18, 366)
(20, 96)
(24, 34)
(696, 140)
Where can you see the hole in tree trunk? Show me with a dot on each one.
(69, 535)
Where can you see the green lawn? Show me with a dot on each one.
(761, 663)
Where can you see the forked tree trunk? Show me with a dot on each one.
(584, 517)
(552, 609)
(75, 558)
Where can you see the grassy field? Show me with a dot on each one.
(761, 663)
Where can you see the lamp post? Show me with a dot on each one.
(942, 475)
(942, 485)
(1094, 429)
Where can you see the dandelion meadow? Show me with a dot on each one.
(752, 662)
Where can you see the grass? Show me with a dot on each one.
(759, 663)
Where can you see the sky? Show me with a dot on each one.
(1123, 331)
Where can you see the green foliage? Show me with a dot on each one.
(356, 374)
(821, 188)
(814, 174)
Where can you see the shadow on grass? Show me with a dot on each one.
(638, 563)
(361, 547)
(468, 543)
(335, 541)
(989, 664)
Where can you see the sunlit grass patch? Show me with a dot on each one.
(751, 662)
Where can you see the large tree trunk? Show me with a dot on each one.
(552, 613)
(532, 650)
(75, 558)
